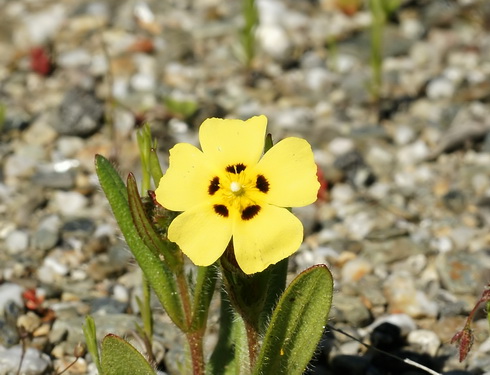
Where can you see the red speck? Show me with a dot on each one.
(40, 61)
(322, 194)
(31, 300)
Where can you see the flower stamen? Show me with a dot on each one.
(236, 187)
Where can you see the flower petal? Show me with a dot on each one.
(290, 170)
(201, 233)
(186, 182)
(230, 142)
(270, 236)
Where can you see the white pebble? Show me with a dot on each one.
(404, 134)
(17, 241)
(355, 269)
(273, 40)
(55, 266)
(342, 193)
(69, 202)
(120, 293)
(339, 146)
(143, 82)
(426, 340)
(10, 292)
(440, 88)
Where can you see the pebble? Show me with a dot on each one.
(440, 88)
(403, 297)
(29, 322)
(17, 241)
(44, 239)
(53, 179)
(425, 340)
(461, 272)
(80, 113)
(350, 309)
(69, 203)
(10, 292)
(34, 362)
(355, 269)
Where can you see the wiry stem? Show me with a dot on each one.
(194, 338)
(253, 343)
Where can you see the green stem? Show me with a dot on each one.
(195, 344)
(146, 314)
(194, 338)
(253, 343)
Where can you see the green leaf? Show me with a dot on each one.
(147, 232)
(158, 274)
(91, 339)
(297, 324)
(155, 168)
(121, 358)
(230, 356)
(203, 293)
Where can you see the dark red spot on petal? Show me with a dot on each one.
(250, 212)
(221, 210)
(236, 168)
(213, 186)
(262, 184)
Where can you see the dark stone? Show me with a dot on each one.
(79, 227)
(80, 113)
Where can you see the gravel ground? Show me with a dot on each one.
(403, 225)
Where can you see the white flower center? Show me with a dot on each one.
(235, 187)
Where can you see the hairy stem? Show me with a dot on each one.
(253, 343)
(194, 338)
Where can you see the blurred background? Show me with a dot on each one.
(392, 94)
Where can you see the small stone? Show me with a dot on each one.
(10, 292)
(40, 132)
(404, 134)
(350, 309)
(440, 88)
(54, 179)
(68, 146)
(34, 362)
(403, 296)
(80, 113)
(461, 272)
(29, 322)
(355, 269)
(426, 341)
(340, 146)
(273, 40)
(80, 227)
(69, 203)
(10, 334)
(42, 330)
(57, 335)
(455, 201)
(17, 242)
(120, 293)
(44, 239)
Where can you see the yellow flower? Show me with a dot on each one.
(231, 189)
